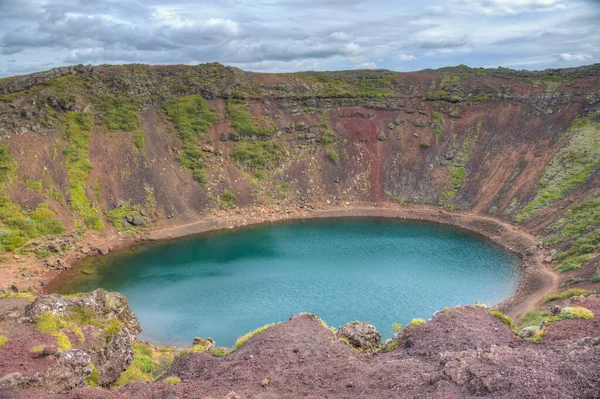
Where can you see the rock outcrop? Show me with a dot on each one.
(360, 335)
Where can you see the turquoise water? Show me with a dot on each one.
(224, 284)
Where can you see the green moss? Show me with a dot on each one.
(439, 124)
(257, 155)
(117, 215)
(392, 346)
(192, 118)
(18, 226)
(92, 380)
(62, 342)
(502, 317)
(3, 340)
(333, 155)
(35, 185)
(79, 168)
(149, 364)
(576, 312)
(247, 337)
(596, 276)
(570, 167)
(244, 124)
(48, 323)
(227, 198)
(571, 292)
(111, 329)
(532, 319)
(171, 380)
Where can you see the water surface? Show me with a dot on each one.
(224, 284)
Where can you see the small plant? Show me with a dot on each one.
(532, 319)
(397, 327)
(424, 145)
(62, 341)
(416, 322)
(172, 380)
(3, 340)
(37, 349)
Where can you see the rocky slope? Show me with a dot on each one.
(94, 150)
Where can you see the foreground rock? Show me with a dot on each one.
(361, 335)
(55, 344)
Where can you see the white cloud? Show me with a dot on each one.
(407, 57)
(341, 36)
(226, 26)
(575, 57)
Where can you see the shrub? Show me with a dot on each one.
(424, 145)
(532, 319)
(576, 312)
(227, 198)
(571, 292)
(397, 327)
(416, 322)
(596, 276)
(333, 155)
(392, 346)
(172, 380)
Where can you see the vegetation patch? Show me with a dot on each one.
(502, 317)
(257, 155)
(570, 167)
(578, 233)
(227, 198)
(438, 124)
(571, 292)
(92, 380)
(416, 322)
(121, 113)
(172, 380)
(596, 276)
(192, 118)
(16, 225)
(79, 125)
(3, 340)
(247, 337)
(117, 215)
(149, 364)
(576, 312)
(244, 124)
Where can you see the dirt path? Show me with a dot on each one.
(537, 280)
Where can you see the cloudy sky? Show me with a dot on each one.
(292, 35)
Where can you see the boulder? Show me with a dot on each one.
(71, 371)
(53, 303)
(528, 332)
(381, 137)
(360, 335)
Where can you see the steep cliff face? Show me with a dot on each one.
(99, 148)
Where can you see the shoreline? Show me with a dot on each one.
(536, 281)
